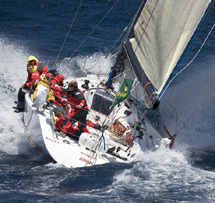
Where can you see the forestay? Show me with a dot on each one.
(161, 34)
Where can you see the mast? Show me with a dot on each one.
(125, 51)
(149, 90)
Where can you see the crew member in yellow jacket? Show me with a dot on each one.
(45, 80)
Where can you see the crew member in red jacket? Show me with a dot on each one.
(79, 109)
(58, 80)
(31, 83)
(40, 67)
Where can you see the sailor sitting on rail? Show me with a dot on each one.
(31, 83)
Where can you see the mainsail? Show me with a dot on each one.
(161, 34)
(155, 42)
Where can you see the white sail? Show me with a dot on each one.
(161, 34)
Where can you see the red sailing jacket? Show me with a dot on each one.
(58, 80)
(74, 98)
(32, 80)
(44, 70)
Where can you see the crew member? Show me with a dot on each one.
(58, 80)
(42, 69)
(45, 80)
(79, 109)
(31, 83)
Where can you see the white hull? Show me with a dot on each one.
(58, 147)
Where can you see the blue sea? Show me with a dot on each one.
(72, 35)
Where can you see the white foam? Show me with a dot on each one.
(12, 75)
(193, 99)
(83, 65)
(157, 173)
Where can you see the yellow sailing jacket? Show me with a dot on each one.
(51, 92)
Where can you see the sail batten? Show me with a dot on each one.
(161, 34)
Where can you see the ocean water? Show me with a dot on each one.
(40, 28)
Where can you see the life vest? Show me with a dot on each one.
(51, 92)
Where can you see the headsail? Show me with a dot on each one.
(161, 34)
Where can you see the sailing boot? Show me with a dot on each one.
(19, 107)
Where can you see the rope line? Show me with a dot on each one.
(68, 33)
(94, 28)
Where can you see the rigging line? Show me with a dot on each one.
(189, 62)
(83, 67)
(133, 21)
(207, 12)
(107, 54)
(128, 27)
(68, 33)
(29, 119)
(98, 73)
(115, 50)
(122, 73)
(95, 27)
(116, 42)
(94, 64)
